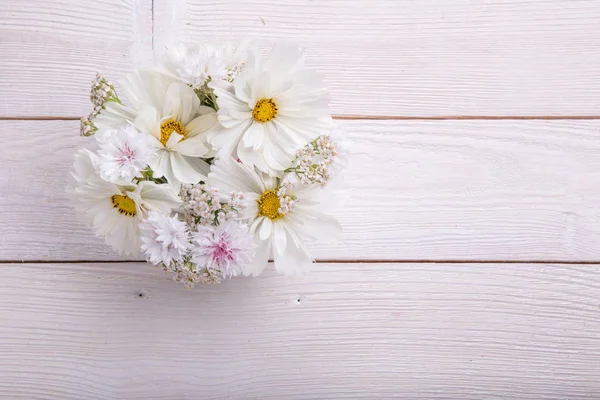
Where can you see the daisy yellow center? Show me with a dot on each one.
(268, 205)
(264, 110)
(124, 205)
(169, 126)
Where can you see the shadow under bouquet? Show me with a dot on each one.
(212, 162)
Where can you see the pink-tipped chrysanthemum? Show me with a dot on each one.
(164, 239)
(228, 248)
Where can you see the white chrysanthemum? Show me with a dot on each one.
(282, 219)
(124, 153)
(274, 107)
(164, 238)
(227, 247)
(195, 63)
(114, 211)
(169, 112)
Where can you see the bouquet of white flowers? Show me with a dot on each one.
(213, 162)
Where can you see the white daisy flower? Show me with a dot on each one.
(164, 238)
(196, 63)
(124, 153)
(114, 211)
(169, 112)
(274, 107)
(282, 219)
(228, 248)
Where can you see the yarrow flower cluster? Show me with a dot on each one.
(313, 162)
(102, 92)
(217, 160)
(205, 206)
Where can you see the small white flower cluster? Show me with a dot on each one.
(313, 161)
(207, 168)
(286, 201)
(203, 205)
(198, 63)
(232, 72)
(209, 245)
(191, 275)
(102, 92)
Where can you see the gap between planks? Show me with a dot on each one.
(373, 261)
(152, 20)
(383, 118)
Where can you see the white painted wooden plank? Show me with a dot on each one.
(411, 331)
(421, 58)
(420, 190)
(382, 57)
(51, 50)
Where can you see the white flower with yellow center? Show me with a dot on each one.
(115, 211)
(281, 219)
(168, 111)
(274, 107)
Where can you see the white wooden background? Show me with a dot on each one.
(470, 263)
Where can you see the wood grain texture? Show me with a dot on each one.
(411, 331)
(420, 190)
(51, 50)
(421, 58)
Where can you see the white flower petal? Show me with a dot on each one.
(294, 261)
(230, 176)
(145, 88)
(113, 115)
(184, 170)
(174, 138)
(251, 157)
(266, 229)
(251, 210)
(315, 225)
(200, 124)
(193, 147)
(279, 238)
(263, 251)
(160, 164)
(148, 122)
(254, 136)
(285, 59)
(158, 198)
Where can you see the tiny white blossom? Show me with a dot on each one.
(202, 205)
(189, 63)
(228, 248)
(196, 63)
(164, 239)
(124, 153)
